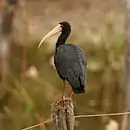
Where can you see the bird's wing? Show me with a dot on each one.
(76, 76)
(83, 64)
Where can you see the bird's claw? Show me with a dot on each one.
(62, 100)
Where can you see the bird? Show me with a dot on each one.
(69, 59)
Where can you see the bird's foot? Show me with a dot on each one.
(62, 100)
(59, 100)
(62, 97)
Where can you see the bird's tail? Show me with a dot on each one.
(79, 90)
(77, 86)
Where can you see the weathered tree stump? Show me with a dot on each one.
(63, 115)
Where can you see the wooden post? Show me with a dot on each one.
(63, 115)
(126, 118)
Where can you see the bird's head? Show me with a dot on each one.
(63, 27)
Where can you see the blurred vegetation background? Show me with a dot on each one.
(29, 82)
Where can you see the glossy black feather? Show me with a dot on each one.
(71, 66)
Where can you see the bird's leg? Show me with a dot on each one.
(71, 94)
(63, 94)
(63, 91)
(69, 90)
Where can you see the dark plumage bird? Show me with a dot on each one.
(69, 59)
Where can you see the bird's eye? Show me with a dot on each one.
(61, 25)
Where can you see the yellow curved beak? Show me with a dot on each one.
(52, 32)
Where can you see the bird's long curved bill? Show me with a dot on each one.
(52, 32)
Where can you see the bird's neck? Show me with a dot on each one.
(62, 39)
